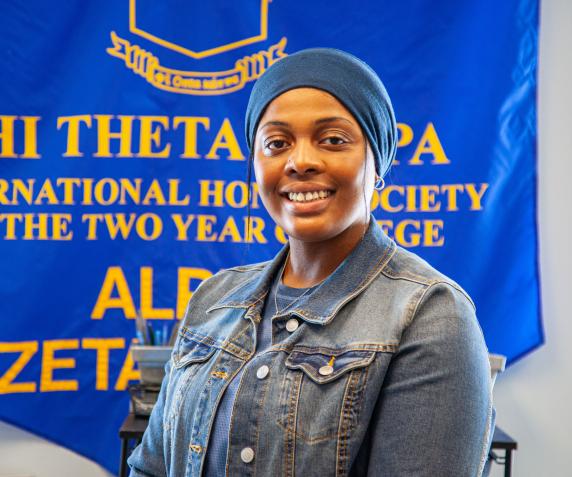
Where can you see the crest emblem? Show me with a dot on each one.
(197, 30)
(212, 27)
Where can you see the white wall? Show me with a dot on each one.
(25, 455)
(534, 397)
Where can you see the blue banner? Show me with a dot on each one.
(123, 174)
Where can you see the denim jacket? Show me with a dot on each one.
(382, 371)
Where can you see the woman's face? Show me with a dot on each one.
(314, 169)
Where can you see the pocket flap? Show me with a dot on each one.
(190, 350)
(324, 368)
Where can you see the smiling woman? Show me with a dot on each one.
(345, 354)
(315, 178)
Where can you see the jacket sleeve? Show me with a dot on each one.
(434, 414)
(148, 458)
(151, 457)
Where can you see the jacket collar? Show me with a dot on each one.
(351, 277)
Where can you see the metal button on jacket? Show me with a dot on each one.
(247, 455)
(262, 372)
(326, 370)
(292, 325)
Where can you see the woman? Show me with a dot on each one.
(345, 354)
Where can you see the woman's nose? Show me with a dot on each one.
(303, 159)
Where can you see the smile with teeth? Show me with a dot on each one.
(308, 196)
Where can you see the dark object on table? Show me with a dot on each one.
(143, 398)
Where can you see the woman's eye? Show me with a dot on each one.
(334, 141)
(275, 144)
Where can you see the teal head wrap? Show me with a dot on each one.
(348, 79)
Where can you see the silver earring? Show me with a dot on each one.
(379, 183)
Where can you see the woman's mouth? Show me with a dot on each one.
(308, 203)
(308, 196)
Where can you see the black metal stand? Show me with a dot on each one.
(502, 441)
(130, 433)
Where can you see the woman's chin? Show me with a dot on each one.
(313, 231)
(321, 228)
(309, 230)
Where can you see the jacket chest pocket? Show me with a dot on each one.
(191, 351)
(319, 389)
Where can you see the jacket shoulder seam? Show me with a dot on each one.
(437, 282)
(411, 277)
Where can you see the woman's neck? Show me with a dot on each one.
(310, 263)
